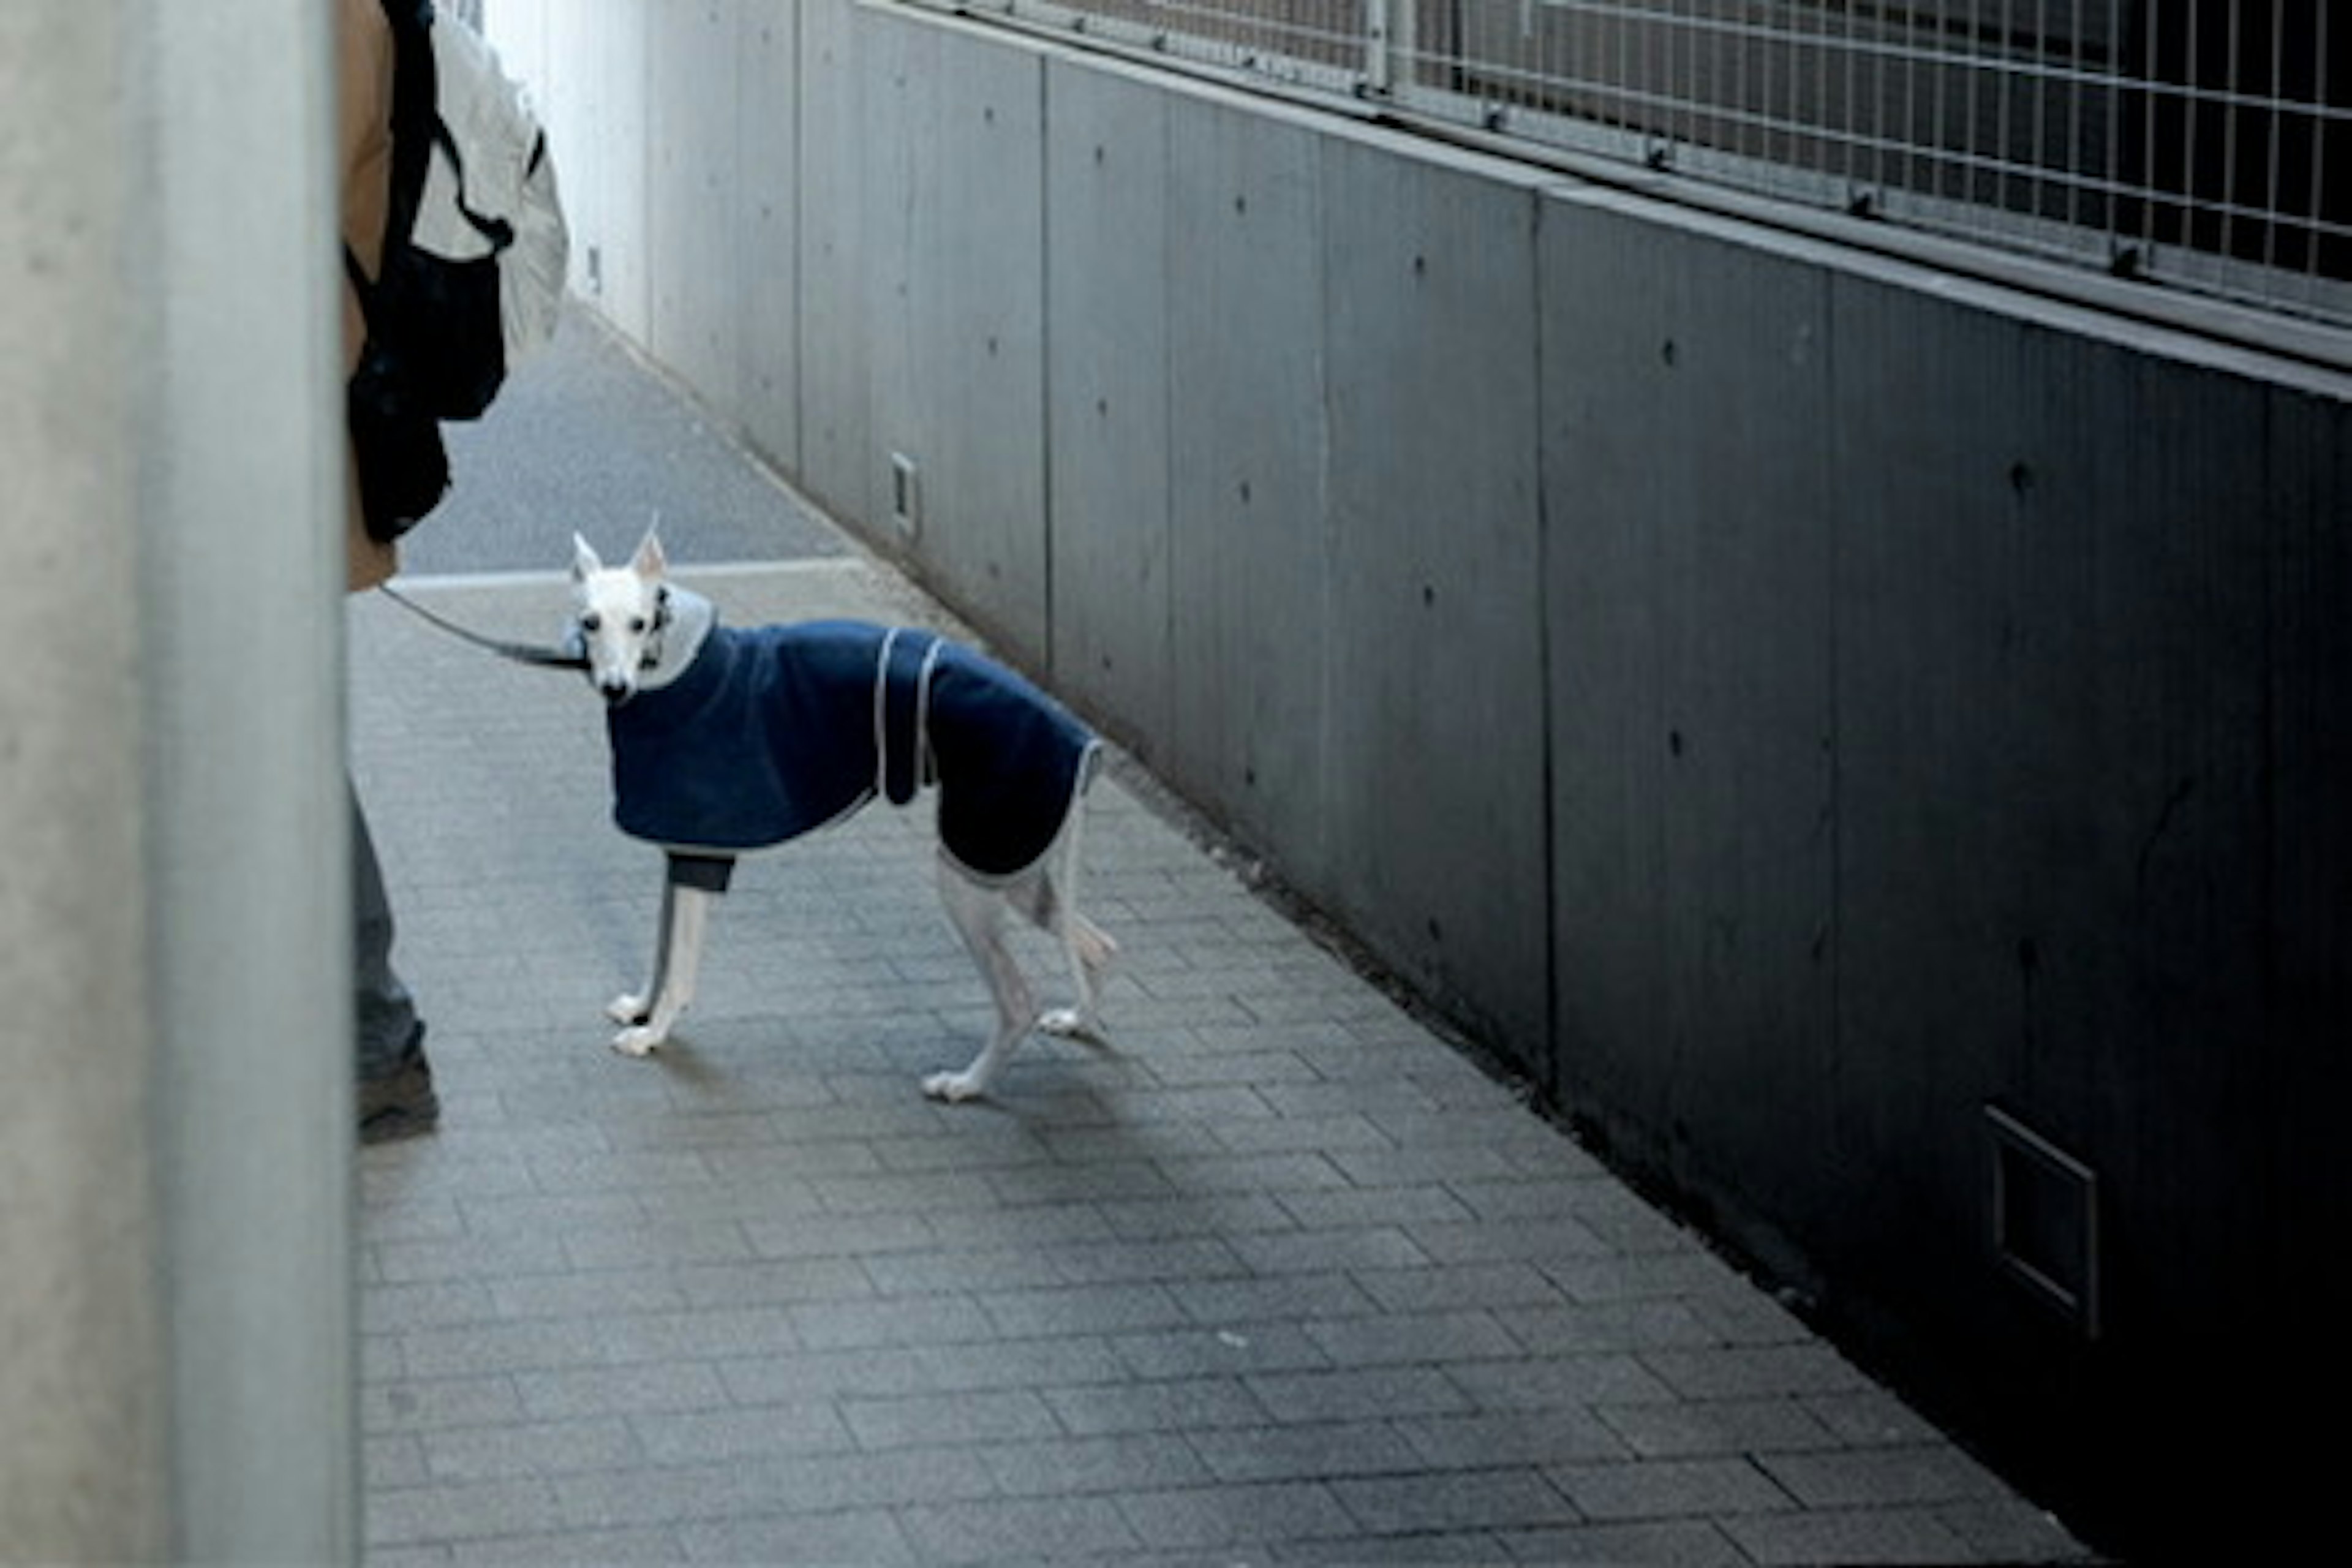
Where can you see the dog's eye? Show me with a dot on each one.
(637, 626)
(591, 623)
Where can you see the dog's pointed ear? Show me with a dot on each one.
(650, 563)
(583, 560)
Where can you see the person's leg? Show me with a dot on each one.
(395, 1082)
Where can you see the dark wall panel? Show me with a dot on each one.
(1248, 531)
(1106, 258)
(1435, 696)
(1692, 698)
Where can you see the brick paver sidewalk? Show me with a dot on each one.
(1279, 1276)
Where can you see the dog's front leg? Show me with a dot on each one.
(677, 958)
(978, 914)
(686, 895)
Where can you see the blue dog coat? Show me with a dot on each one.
(773, 732)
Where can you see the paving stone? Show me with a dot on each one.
(1430, 1288)
(1686, 1428)
(389, 1309)
(1063, 1361)
(1234, 1515)
(1081, 1310)
(1548, 1242)
(1731, 1373)
(795, 1377)
(1454, 1500)
(387, 1462)
(1580, 1328)
(1175, 1258)
(1539, 1382)
(1668, 1488)
(1218, 1351)
(1285, 1297)
(402, 1403)
(1306, 1453)
(588, 1390)
(930, 1419)
(869, 1537)
(462, 1511)
(1881, 1477)
(568, 1547)
(1280, 1134)
(1122, 1463)
(1225, 1215)
(1358, 1551)
(1360, 1207)
(2008, 1529)
(1180, 1404)
(812, 1484)
(646, 1242)
(694, 1436)
(1663, 1543)
(599, 1295)
(488, 1452)
(794, 1283)
(1860, 1537)
(1491, 1439)
(894, 1320)
(501, 1347)
(1420, 1339)
(1352, 1394)
(1356, 1247)
(1018, 1529)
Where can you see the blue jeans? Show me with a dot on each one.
(389, 1034)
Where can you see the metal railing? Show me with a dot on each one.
(2201, 144)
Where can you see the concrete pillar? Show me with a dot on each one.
(175, 1279)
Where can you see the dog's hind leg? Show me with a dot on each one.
(688, 891)
(1089, 951)
(977, 913)
(1051, 899)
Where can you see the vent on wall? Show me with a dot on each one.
(906, 496)
(2045, 1219)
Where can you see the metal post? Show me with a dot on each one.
(1379, 59)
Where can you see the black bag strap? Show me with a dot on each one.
(415, 123)
(497, 230)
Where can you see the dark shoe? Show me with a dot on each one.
(401, 1106)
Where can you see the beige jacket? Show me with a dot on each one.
(364, 69)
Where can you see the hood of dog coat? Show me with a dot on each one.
(773, 732)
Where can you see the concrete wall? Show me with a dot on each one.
(81, 1411)
(175, 1264)
(1785, 701)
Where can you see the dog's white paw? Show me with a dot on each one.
(952, 1086)
(629, 1009)
(1069, 1023)
(640, 1041)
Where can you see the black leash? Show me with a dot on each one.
(536, 654)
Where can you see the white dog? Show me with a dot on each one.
(727, 740)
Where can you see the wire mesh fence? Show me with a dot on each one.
(2203, 143)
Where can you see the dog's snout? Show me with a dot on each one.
(613, 688)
